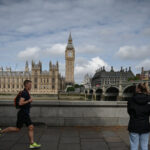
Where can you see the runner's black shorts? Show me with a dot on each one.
(23, 118)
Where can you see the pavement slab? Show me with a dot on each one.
(69, 138)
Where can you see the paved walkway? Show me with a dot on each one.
(69, 138)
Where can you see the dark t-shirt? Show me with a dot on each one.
(25, 94)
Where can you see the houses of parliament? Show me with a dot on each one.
(43, 82)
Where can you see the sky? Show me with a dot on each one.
(104, 32)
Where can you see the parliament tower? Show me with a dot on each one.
(69, 58)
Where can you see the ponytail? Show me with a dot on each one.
(141, 88)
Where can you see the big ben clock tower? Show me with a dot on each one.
(70, 58)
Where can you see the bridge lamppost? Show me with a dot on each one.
(58, 95)
(85, 95)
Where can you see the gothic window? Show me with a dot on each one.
(35, 86)
(35, 79)
(53, 73)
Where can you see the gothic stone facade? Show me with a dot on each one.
(87, 81)
(103, 77)
(145, 74)
(43, 82)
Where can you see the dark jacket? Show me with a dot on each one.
(139, 111)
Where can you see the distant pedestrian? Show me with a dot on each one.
(23, 102)
(139, 112)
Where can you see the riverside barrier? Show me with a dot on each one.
(69, 113)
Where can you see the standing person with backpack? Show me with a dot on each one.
(139, 112)
(23, 103)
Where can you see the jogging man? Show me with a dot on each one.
(23, 116)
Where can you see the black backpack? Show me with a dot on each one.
(17, 99)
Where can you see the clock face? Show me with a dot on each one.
(69, 54)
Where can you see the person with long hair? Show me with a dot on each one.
(146, 88)
(139, 111)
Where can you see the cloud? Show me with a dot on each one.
(29, 53)
(145, 63)
(62, 68)
(36, 53)
(99, 28)
(88, 49)
(56, 50)
(146, 31)
(133, 52)
(85, 66)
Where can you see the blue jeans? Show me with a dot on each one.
(139, 139)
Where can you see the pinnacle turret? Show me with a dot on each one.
(70, 45)
(70, 38)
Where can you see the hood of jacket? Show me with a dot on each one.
(140, 98)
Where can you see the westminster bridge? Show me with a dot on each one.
(113, 92)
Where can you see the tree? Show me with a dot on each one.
(76, 86)
(70, 89)
(133, 79)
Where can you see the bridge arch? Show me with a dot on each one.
(111, 93)
(98, 93)
(90, 96)
(112, 87)
(85, 91)
(128, 92)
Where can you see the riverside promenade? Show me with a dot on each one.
(69, 125)
(69, 138)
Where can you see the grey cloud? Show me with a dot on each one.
(99, 27)
(145, 63)
(133, 52)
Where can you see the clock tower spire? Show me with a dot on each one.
(69, 58)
